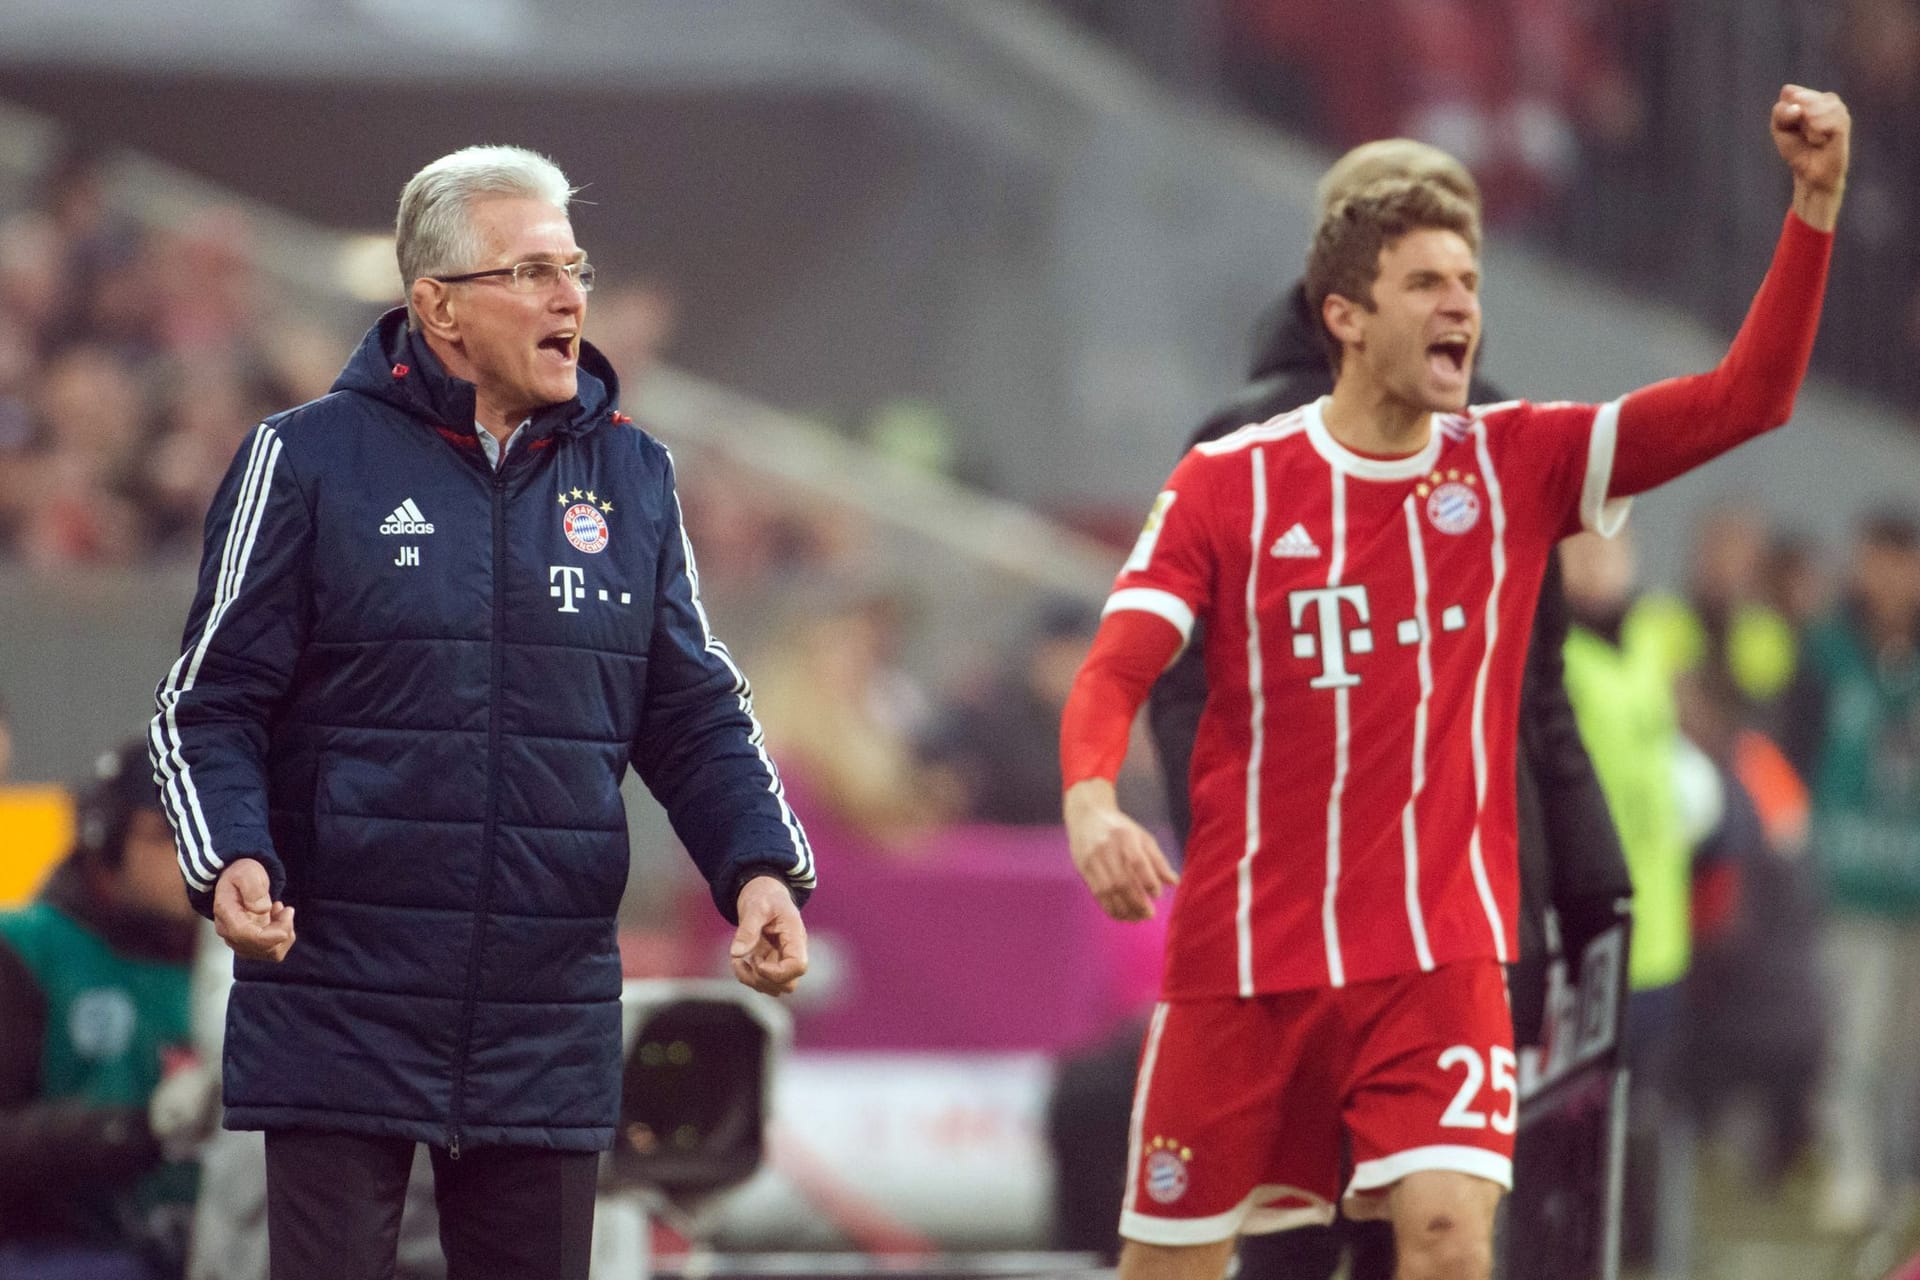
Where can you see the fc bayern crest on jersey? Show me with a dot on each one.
(586, 528)
(1166, 1170)
(1453, 505)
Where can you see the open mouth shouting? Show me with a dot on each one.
(1448, 354)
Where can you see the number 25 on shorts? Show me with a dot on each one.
(1463, 1112)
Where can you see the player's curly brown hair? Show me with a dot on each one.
(1345, 259)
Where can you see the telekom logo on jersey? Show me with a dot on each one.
(1327, 636)
(1335, 641)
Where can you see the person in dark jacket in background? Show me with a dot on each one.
(1003, 741)
(440, 611)
(94, 978)
(1560, 806)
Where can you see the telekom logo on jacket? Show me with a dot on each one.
(568, 584)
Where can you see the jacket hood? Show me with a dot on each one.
(1286, 337)
(396, 366)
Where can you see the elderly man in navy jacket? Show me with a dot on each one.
(440, 611)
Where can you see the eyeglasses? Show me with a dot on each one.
(532, 276)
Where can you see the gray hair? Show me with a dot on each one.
(433, 234)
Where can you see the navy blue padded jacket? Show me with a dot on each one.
(410, 687)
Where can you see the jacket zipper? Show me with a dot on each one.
(495, 662)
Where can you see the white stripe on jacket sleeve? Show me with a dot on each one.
(199, 862)
(801, 874)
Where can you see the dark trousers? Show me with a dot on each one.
(1313, 1253)
(506, 1213)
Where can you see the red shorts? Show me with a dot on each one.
(1238, 1113)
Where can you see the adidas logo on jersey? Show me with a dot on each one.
(1295, 543)
(406, 518)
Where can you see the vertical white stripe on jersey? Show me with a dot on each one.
(1497, 512)
(802, 873)
(198, 862)
(1148, 1056)
(1256, 690)
(1342, 742)
(1409, 824)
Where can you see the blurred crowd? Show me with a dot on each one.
(132, 363)
(1519, 90)
(1757, 734)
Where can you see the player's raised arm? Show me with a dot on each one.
(1674, 426)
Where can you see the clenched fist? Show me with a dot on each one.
(1812, 131)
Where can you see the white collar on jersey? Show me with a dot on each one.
(1341, 458)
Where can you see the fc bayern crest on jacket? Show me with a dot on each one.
(585, 526)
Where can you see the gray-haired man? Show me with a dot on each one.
(441, 609)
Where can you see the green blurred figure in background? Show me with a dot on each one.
(94, 980)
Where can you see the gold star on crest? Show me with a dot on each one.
(606, 506)
(590, 497)
(1421, 490)
(1472, 479)
(1453, 473)
(563, 499)
(578, 494)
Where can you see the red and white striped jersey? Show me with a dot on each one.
(1365, 628)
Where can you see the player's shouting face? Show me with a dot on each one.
(1415, 344)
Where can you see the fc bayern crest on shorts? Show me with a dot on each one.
(1453, 506)
(1166, 1170)
(586, 528)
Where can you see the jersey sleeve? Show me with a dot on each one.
(1555, 464)
(1167, 578)
(1607, 453)
(1674, 426)
(1129, 650)
(1172, 568)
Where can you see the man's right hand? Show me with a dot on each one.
(1812, 131)
(1117, 857)
(245, 915)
